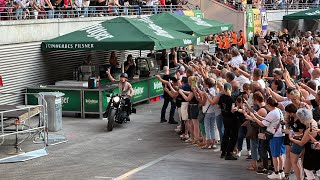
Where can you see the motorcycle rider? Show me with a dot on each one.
(125, 89)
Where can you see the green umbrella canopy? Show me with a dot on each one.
(190, 25)
(120, 34)
(308, 14)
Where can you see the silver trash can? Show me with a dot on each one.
(54, 109)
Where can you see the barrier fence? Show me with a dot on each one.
(36, 12)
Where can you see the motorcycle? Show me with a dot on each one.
(117, 112)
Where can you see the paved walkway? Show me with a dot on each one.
(140, 149)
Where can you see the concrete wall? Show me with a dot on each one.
(13, 32)
(217, 11)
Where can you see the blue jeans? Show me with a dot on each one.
(19, 13)
(155, 9)
(210, 125)
(85, 11)
(92, 11)
(241, 136)
(219, 120)
(254, 147)
(125, 10)
(50, 14)
(115, 10)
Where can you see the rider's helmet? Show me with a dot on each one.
(124, 75)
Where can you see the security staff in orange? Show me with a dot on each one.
(241, 40)
(220, 43)
(234, 39)
(225, 44)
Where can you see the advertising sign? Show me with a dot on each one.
(257, 21)
(91, 101)
(250, 25)
(155, 87)
(140, 91)
(264, 20)
(71, 101)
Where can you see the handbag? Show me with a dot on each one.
(202, 115)
(252, 130)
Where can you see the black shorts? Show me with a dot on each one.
(193, 111)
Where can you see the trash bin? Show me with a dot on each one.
(54, 109)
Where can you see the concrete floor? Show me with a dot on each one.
(140, 149)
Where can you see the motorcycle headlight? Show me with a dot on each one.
(116, 99)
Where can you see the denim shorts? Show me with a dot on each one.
(277, 147)
(296, 149)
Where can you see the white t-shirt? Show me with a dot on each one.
(286, 102)
(316, 48)
(236, 61)
(262, 83)
(272, 122)
(242, 80)
(211, 108)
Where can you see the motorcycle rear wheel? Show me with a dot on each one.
(111, 119)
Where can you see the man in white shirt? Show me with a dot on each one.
(236, 59)
(257, 74)
(241, 78)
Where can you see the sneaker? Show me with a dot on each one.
(282, 174)
(173, 122)
(274, 176)
(230, 157)
(188, 140)
(262, 171)
(177, 130)
(186, 136)
(239, 154)
(249, 158)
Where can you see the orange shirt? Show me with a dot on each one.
(220, 43)
(234, 38)
(226, 43)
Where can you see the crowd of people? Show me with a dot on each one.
(242, 5)
(48, 9)
(268, 95)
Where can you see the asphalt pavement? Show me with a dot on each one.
(138, 150)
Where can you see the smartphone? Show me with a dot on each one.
(233, 105)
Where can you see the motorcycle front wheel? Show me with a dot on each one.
(111, 119)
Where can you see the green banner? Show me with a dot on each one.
(250, 25)
(140, 91)
(91, 101)
(156, 88)
(71, 101)
(198, 13)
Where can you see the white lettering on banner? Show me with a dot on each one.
(224, 28)
(98, 32)
(157, 85)
(65, 100)
(264, 20)
(157, 29)
(138, 90)
(92, 101)
(70, 46)
(187, 41)
(200, 22)
(313, 13)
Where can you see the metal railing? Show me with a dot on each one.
(11, 13)
(277, 5)
(22, 124)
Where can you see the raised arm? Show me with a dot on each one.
(110, 76)
(161, 80)
(269, 57)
